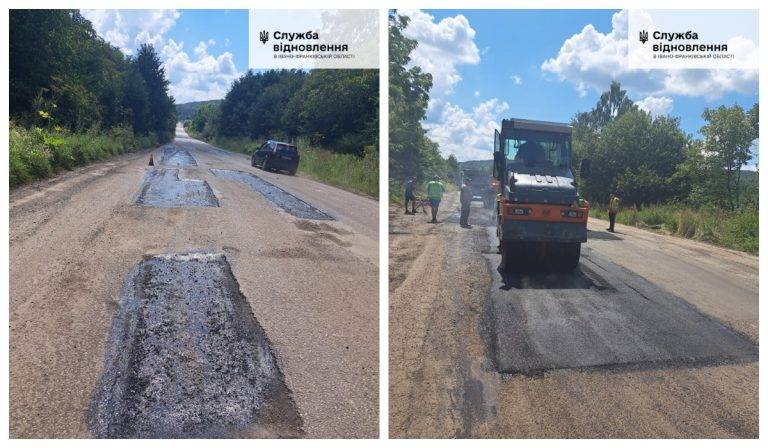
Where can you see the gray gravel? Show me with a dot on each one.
(276, 195)
(175, 156)
(186, 357)
(165, 188)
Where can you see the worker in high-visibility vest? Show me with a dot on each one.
(435, 190)
(613, 208)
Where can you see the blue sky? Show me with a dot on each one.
(548, 65)
(203, 51)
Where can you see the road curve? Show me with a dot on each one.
(312, 286)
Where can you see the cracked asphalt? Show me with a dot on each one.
(312, 286)
(653, 337)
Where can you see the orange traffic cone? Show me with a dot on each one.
(151, 160)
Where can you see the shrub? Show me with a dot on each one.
(39, 153)
(742, 231)
(28, 156)
(687, 224)
(738, 230)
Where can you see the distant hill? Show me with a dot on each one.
(185, 111)
(748, 177)
(485, 165)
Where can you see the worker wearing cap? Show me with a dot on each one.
(410, 196)
(435, 190)
(465, 197)
(613, 208)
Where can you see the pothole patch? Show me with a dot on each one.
(186, 358)
(173, 156)
(165, 188)
(276, 195)
(613, 319)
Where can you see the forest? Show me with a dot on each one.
(332, 115)
(74, 98)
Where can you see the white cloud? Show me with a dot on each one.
(145, 25)
(467, 135)
(202, 76)
(201, 49)
(517, 80)
(655, 105)
(591, 60)
(442, 47)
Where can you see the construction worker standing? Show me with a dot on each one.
(410, 188)
(435, 190)
(465, 197)
(613, 208)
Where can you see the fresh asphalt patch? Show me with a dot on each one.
(165, 188)
(600, 316)
(186, 358)
(276, 195)
(478, 216)
(173, 156)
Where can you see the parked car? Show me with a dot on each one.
(274, 155)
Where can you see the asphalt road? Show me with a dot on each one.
(142, 290)
(653, 336)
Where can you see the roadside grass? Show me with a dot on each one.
(346, 171)
(396, 192)
(733, 230)
(40, 153)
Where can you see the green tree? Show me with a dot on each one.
(630, 150)
(161, 113)
(205, 121)
(136, 102)
(728, 136)
(257, 105)
(411, 153)
(41, 48)
(340, 108)
(612, 104)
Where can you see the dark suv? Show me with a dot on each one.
(274, 155)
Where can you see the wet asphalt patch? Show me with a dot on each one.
(276, 195)
(578, 279)
(602, 316)
(173, 156)
(186, 358)
(165, 188)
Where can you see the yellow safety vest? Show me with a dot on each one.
(614, 204)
